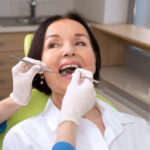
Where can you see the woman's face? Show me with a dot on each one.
(66, 47)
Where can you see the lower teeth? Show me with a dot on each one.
(66, 72)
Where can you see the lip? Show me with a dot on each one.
(68, 76)
(70, 63)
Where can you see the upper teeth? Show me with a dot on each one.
(68, 66)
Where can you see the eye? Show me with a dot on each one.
(53, 45)
(80, 43)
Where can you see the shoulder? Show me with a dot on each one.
(127, 120)
(28, 122)
(134, 122)
(21, 131)
(135, 127)
(137, 121)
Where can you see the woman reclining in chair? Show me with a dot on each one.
(67, 46)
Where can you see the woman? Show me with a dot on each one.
(65, 44)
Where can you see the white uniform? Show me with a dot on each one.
(122, 132)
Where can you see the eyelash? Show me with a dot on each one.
(53, 45)
(82, 43)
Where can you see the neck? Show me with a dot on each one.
(95, 116)
(57, 99)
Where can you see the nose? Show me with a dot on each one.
(68, 51)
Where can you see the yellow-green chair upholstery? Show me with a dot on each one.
(27, 43)
(36, 104)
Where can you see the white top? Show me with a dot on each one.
(122, 131)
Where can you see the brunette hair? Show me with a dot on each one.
(38, 42)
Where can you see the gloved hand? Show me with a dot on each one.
(79, 98)
(23, 74)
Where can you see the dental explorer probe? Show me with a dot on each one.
(26, 61)
(48, 69)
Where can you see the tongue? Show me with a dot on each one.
(67, 71)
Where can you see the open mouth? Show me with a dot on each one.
(68, 69)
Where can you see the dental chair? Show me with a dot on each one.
(36, 104)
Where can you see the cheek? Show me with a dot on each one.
(56, 83)
(53, 80)
(47, 59)
(90, 61)
(50, 62)
(49, 77)
(51, 59)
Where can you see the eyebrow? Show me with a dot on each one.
(81, 35)
(53, 35)
(76, 35)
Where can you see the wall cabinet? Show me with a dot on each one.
(10, 44)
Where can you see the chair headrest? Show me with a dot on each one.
(27, 43)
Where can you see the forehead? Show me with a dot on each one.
(66, 26)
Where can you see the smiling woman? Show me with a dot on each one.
(66, 45)
(65, 36)
(69, 48)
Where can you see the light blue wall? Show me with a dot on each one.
(142, 17)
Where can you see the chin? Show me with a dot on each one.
(67, 82)
(61, 90)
